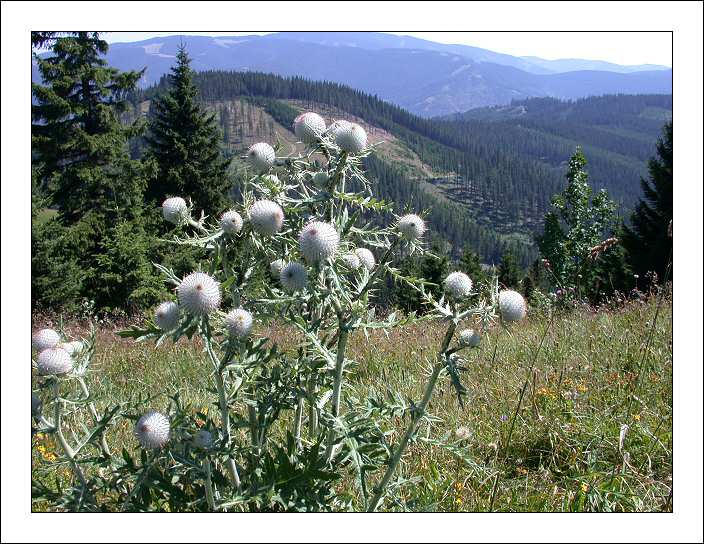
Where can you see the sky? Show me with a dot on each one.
(617, 47)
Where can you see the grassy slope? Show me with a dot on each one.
(564, 452)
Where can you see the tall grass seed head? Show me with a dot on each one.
(153, 430)
(231, 222)
(318, 241)
(351, 261)
(366, 257)
(411, 226)
(458, 285)
(266, 217)
(175, 210)
(309, 127)
(54, 361)
(166, 315)
(239, 322)
(199, 294)
(294, 276)
(261, 157)
(470, 338)
(351, 138)
(512, 305)
(44, 339)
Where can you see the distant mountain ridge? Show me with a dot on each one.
(427, 78)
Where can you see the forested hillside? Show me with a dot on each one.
(488, 179)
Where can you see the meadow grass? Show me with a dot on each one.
(562, 448)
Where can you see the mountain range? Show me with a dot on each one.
(424, 77)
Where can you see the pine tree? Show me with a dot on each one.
(81, 161)
(471, 265)
(509, 272)
(578, 222)
(185, 143)
(647, 240)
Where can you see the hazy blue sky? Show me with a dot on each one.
(618, 47)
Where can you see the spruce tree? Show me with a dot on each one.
(471, 265)
(509, 271)
(647, 240)
(185, 144)
(81, 162)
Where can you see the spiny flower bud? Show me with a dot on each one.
(320, 179)
(276, 266)
(54, 361)
(470, 338)
(152, 430)
(411, 226)
(366, 257)
(231, 222)
(199, 294)
(458, 285)
(44, 339)
(166, 315)
(203, 440)
(266, 217)
(261, 156)
(36, 406)
(239, 322)
(318, 241)
(512, 305)
(175, 210)
(351, 138)
(308, 127)
(352, 261)
(72, 348)
(293, 276)
(463, 433)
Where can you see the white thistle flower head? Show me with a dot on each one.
(199, 294)
(73, 348)
(512, 305)
(276, 266)
(294, 276)
(458, 285)
(337, 126)
(231, 222)
(153, 430)
(54, 361)
(470, 338)
(366, 257)
(239, 322)
(463, 433)
(352, 261)
(166, 315)
(309, 127)
(203, 440)
(267, 217)
(261, 157)
(36, 406)
(175, 210)
(318, 241)
(411, 226)
(320, 179)
(44, 339)
(351, 138)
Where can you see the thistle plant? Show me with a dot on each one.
(287, 424)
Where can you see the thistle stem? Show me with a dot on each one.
(416, 419)
(224, 412)
(68, 450)
(208, 485)
(298, 421)
(91, 406)
(337, 387)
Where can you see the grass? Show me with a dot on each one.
(595, 372)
